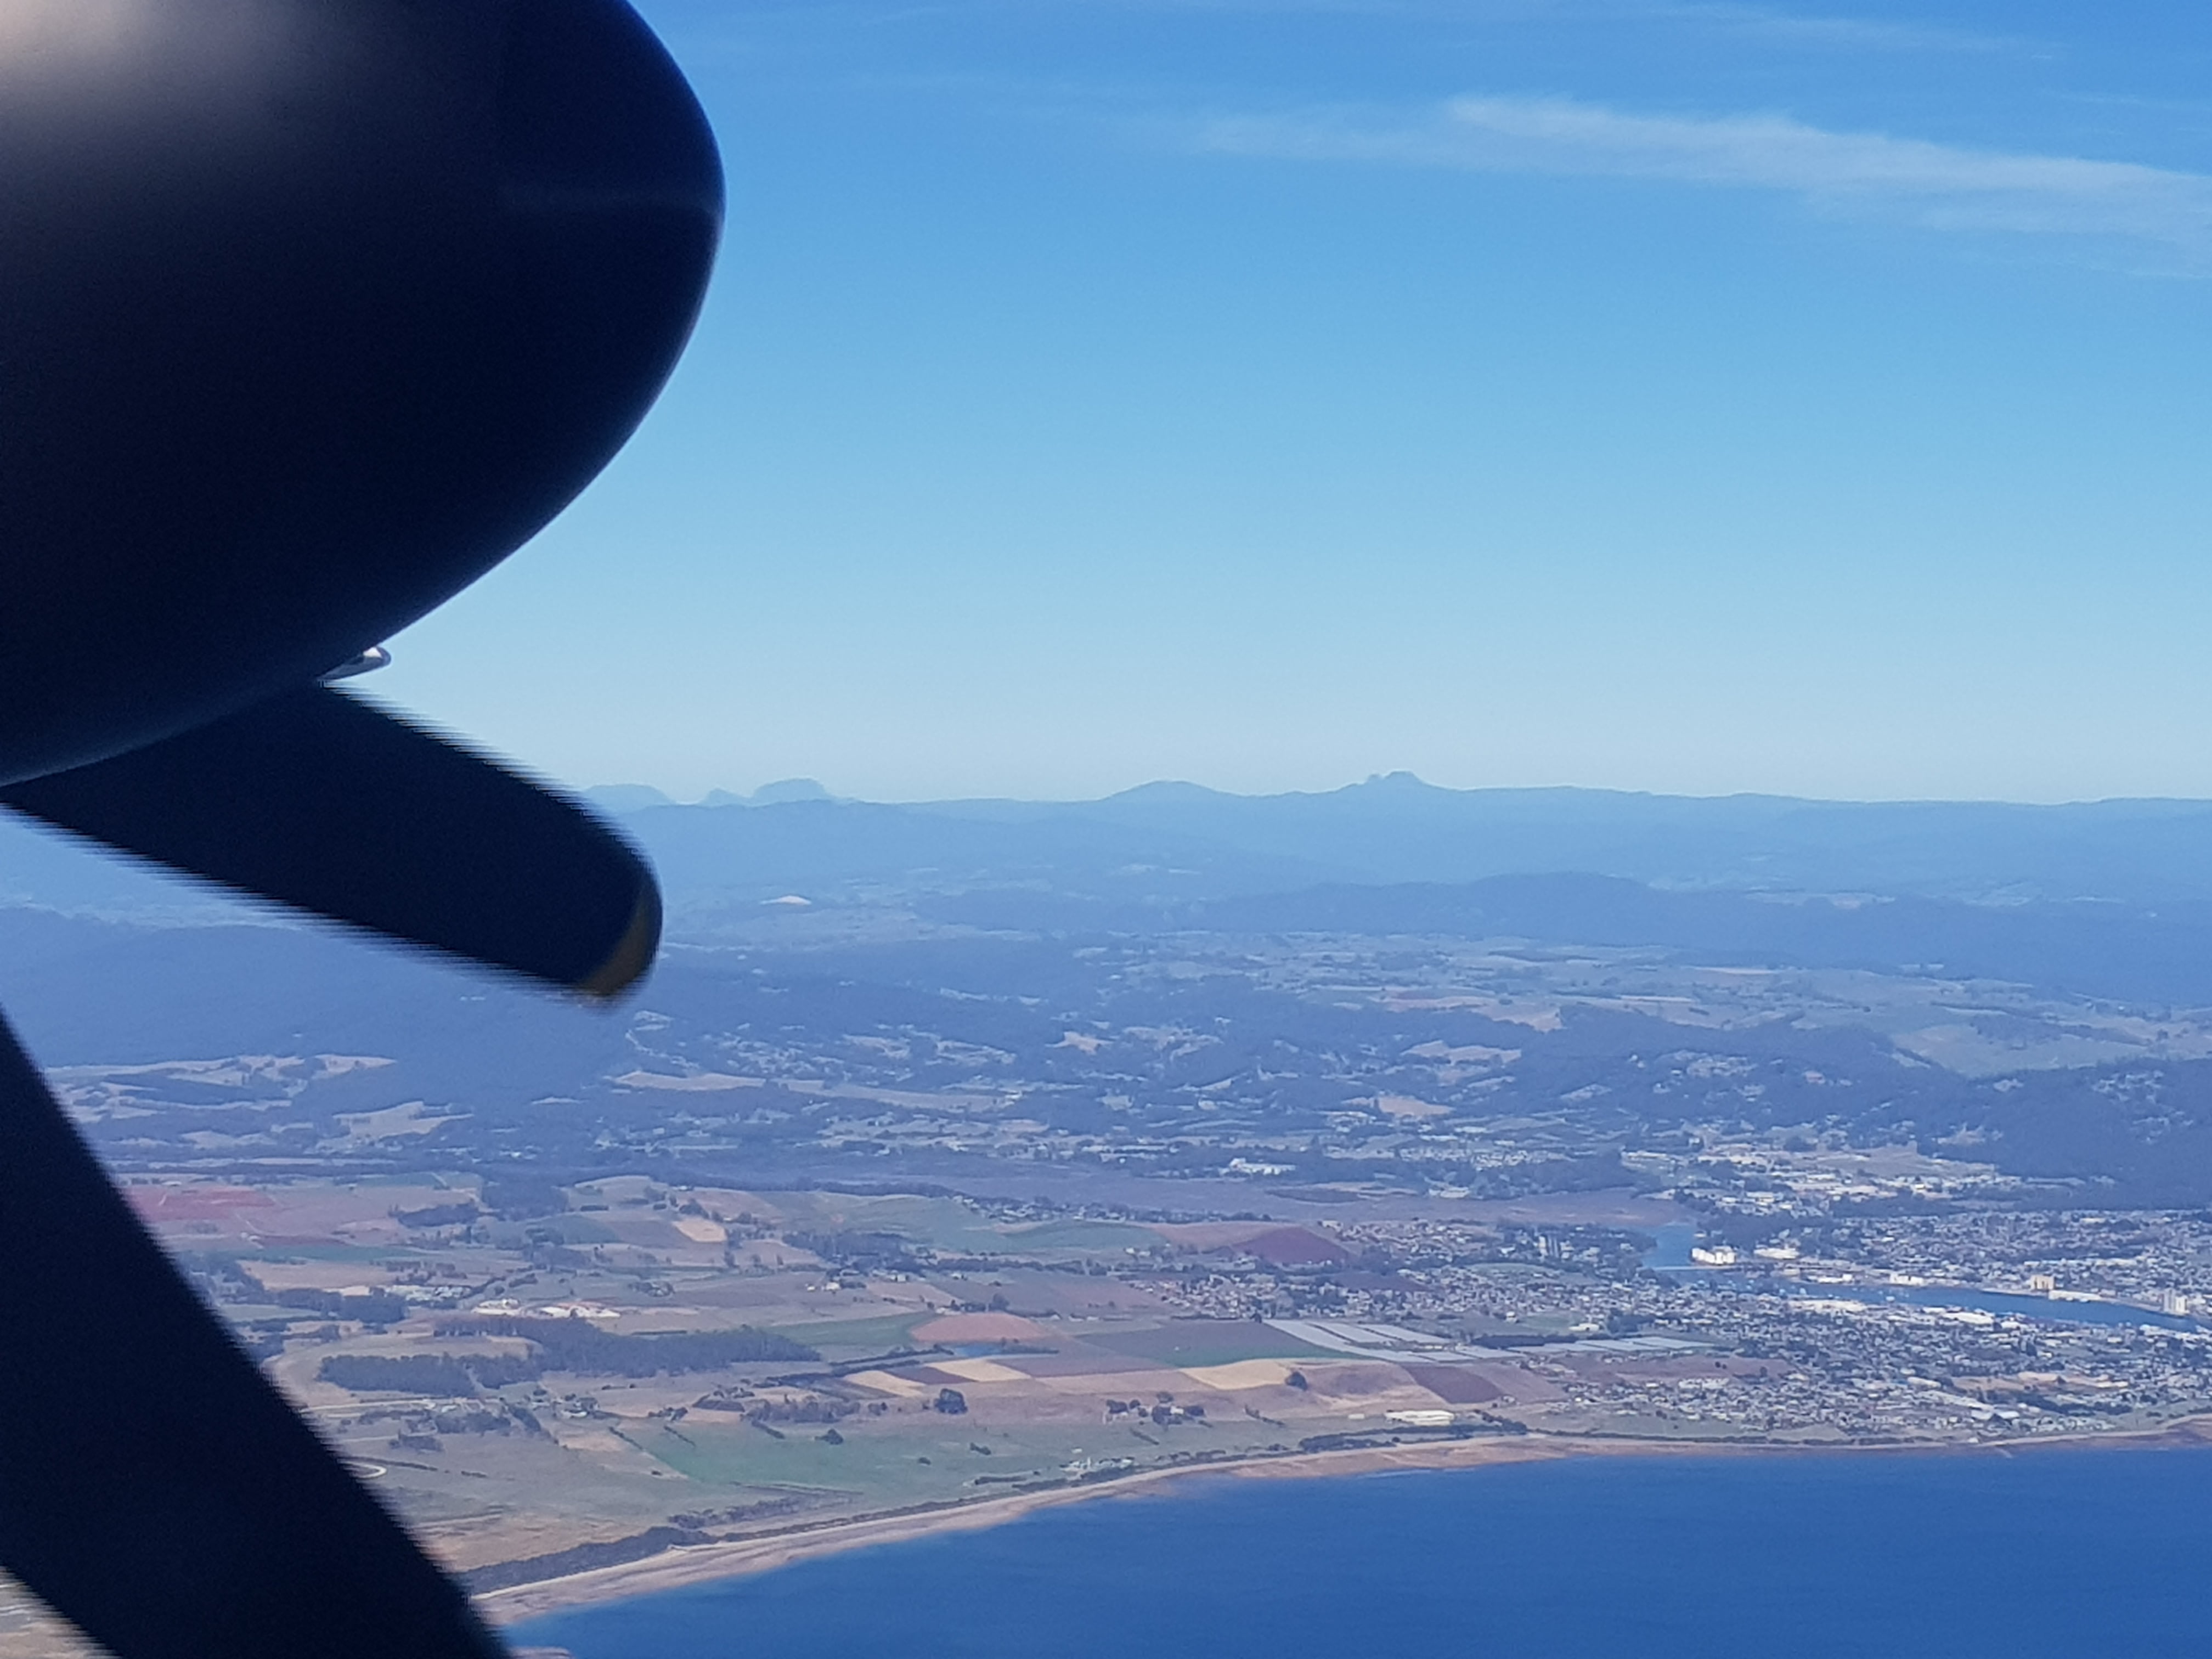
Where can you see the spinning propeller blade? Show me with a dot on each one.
(325, 804)
(155, 1489)
(311, 312)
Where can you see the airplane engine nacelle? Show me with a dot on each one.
(310, 312)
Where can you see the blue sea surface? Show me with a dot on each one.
(2084, 1554)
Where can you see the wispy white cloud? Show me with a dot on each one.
(1944, 186)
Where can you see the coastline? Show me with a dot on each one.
(741, 1558)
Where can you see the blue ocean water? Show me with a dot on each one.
(2084, 1554)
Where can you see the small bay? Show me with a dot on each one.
(2079, 1551)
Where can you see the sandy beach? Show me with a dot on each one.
(706, 1563)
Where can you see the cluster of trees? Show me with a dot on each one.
(580, 1557)
(438, 1376)
(439, 1215)
(810, 1409)
(374, 1310)
(861, 1252)
(1165, 1412)
(579, 1346)
(555, 1345)
(226, 1278)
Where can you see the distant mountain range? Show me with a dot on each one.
(1000, 926)
(1181, 840)
(2109, 898)
(1172, 842)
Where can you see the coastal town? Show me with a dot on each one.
(857, 1223)
(628, 1377)
(830, 1234)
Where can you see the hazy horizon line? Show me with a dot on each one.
(783, 791)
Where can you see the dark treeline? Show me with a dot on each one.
(579, 1345)
(579, 1558)
(443, 1376)
(555, 1345)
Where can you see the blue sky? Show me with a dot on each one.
(1691, 397)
